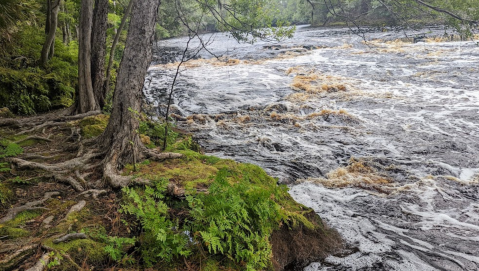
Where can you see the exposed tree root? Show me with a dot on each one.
(71, 181)
(70, 237)
(37, 156)
(118, 181)
(76, 208)
(94, 193)
(38, 127)
(88, 159)
(47, 120)
(41, 263)
(160, 156)
(28, 206)
(34, 138)
(66, 256)
(10, 122)
(65, 171)
(18, 257)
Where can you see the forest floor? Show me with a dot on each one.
(48, 223)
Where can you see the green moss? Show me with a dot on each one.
(92, 131)
(12, 229)
(58, 207)
(93, 126)
(6, 194)
(12, 233)
(23, 217)
(5, 113)
(29, 142)
(82, 250)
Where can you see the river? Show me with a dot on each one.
(380, 138)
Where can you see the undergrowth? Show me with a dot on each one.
(7, 149)
(232, 219)
(25, 88)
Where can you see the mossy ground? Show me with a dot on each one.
(103, 222)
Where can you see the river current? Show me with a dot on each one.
(380, 138)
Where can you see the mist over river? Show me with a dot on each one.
(381, 138)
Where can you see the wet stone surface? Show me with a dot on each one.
(383, 137)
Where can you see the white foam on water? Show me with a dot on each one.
(414, 109)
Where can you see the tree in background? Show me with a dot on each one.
(53, 7)
(463, 15)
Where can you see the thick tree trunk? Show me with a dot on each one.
(100, 25)
(52, 22)
(85, 99)
(121, 137)
(106, 87)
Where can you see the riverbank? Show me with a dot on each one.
(198, 213)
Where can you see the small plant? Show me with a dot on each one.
(4, 167)
(18, 180)
(116, 246)
(57, 258)
(156, 132)
(9, 149)
(161, 239)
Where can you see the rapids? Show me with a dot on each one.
(380, 138)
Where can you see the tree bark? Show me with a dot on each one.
(121, 137)
(49, 16)
(51, 27)
(85, 99)
(65, 27)
(106, 87)
(98, 40)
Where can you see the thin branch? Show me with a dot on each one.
(438, 9)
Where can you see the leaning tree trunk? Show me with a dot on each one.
(98, 41)
(51, 26)
(121, 138)
(86, 101)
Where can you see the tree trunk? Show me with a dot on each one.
(49, 16)
(64, 33)
(98, 40)
(85, 99)
(121, 137)
(65, 27)
(52, 22)
(106, 87)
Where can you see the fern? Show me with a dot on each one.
(236, 220)
(116, 245)
(9, 149)
(161, 240)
